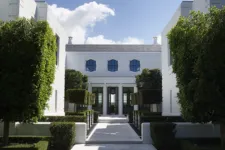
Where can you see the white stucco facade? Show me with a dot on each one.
(12, 9)
(170, 105)
(77, 56)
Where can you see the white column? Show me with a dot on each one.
(120, 100)
(104, 99)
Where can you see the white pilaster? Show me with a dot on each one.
(89, 87)
(120, 100)
(135, 89)
(104, 99)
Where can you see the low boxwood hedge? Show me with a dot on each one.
(161, 119)
(75, 113)
(63, 119)
(41, 145)
(63, 135)
(26, 139)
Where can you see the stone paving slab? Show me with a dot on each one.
(112, 133)
(113, 147)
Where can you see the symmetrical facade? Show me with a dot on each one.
(12, 9)
(111, 71)
(170, 102)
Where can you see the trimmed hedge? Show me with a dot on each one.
(26, 139)
(150, 96)
(161, 119)
(63, 119)
(96, 114)
(163, 136)
(78, 96)
(63, 135)
(134, 99)
(75, 113)
(41, 145)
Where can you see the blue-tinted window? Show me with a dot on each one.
(113, 65)
(135, 65)
(91, 65)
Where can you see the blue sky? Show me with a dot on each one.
(140, 19)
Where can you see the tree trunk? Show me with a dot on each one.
(6, 133)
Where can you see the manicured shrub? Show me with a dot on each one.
(163, 136)
(130, 117)
(63, 119)
(134, 98)
(75, 113)
(150, 96)
(161, 119)
(78, 96)
(63, 135)
(41, 145)
(96, 114)
(26, 139)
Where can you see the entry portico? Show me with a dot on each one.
(114, 93)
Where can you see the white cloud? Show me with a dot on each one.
(76, 23)
(101, 40)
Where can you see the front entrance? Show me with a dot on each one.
(112, 100)
(98, 106)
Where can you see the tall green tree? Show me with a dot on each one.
(149, 79)
(27, 68)
(198, 51)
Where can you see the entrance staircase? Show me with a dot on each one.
(113, 119)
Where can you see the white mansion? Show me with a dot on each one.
(111, 70)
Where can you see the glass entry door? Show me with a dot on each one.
(112, 100)
(127, 107)
(98, 106)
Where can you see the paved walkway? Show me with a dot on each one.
(109, 133)
(113, 136)
(114, 147)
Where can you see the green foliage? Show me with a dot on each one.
(134, 98)
(74, 79)
(77, 118)
(96, 114)
(63, 135)
(163, 136)
(75, 113)
(27, 139)
(150, 96)
(78, 96)
(149, 79)
(27, 62)
(41, 145)
(197, 46)
(149, 84)
(161, 119)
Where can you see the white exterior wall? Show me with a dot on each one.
(170, 106)
(12, 9)
(77, 61)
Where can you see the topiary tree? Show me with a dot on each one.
(197, 46)
(149, 84)
(149, 79)
(27, 68)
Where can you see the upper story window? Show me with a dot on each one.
(135, 65)
(91, 65)
(113, 65)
